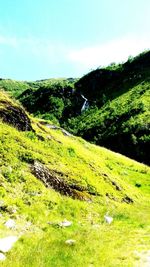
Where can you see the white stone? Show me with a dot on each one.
(65, 223)
(108, 219)
(6, 243)
(10, 224)
(70, 242)
(2, 257)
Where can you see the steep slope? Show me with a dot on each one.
(119, 117)
(47, 175)
(122, 125)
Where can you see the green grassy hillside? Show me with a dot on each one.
(14, 87)
(118, 114)
(122, 124)
(48, 175)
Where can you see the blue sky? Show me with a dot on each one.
(67, 38)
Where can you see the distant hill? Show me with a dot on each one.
(54, 99)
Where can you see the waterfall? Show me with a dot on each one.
(85, 104)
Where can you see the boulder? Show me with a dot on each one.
(7, 243)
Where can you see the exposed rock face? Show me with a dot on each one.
(15, 116)
(53, 179)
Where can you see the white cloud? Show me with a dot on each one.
(114, 51)
(83, 59)
(46, 56)
(42, 49)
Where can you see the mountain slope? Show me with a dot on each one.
(119, 117)
(106, 84)
(122, 125)
(117, 114)
(48, 175)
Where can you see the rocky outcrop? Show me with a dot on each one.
(53, 179)
(15, 116)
